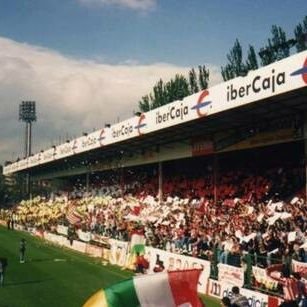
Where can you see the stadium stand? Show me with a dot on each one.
(234, 196)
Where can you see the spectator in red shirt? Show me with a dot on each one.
(141, 263)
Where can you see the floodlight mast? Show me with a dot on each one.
(27, 114)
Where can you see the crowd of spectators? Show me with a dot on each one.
(259, 218)
(247, 218)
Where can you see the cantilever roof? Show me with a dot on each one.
(274, 91)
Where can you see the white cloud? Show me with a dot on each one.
(72, 95)
(142, 5)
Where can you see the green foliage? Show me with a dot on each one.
(235, 59)
(251, 62)
(278, 47)
(159, 95)
(193, 81)
(227, 72)
(300, 33)
(203, 75)
(175, 89)
(235, 66)
(144, 104)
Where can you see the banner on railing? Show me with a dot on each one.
(62, 230)
(100, 239)
(118, 252)
(93, 250)
(255, 299)
(84, 236)
(231, 274)
(262, 278)
(56, 238)
(300, 267)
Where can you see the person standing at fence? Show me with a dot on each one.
(141, 264)
(22, 250)
(290, 285)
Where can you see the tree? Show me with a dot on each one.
(203, 75)
(278, 47)
(193, 81)
(235, 66)
(251, 62)
(181, 88)
(175, 89)
(227, 72)
(159, 95)
(144, 104)
(200, 81)
(300, 33)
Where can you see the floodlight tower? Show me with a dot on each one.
(27, 114)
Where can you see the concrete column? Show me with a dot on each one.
(122, 181)
(160, 174)
(215, 176)
(87, 182)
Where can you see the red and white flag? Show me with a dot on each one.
(72, 215)
(171, 289)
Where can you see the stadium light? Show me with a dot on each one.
(27, 114)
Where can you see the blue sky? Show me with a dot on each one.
(182, 32)
(88, 62)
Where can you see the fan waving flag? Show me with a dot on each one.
(72, 215)
(176, 288)
(137, 242)
(137, 246)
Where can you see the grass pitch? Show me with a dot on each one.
(53, 276)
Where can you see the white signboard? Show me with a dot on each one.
(231, 274)
(84, 236)
(118, 252)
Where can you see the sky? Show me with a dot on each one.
(89, 62)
